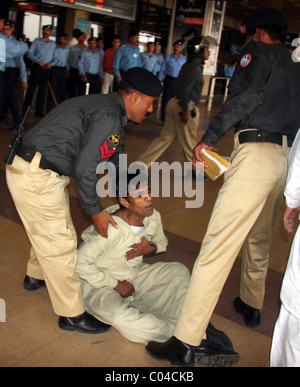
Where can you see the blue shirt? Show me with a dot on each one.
(91, 63)
(229, 71)
(41, 50)
(160, 61)
(2, 54)
(60, 56)
(15, 55)
(75, 54)
(172, 66)
(126, 57)
(149, 62)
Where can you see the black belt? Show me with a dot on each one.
(28, 154)
(262, 136)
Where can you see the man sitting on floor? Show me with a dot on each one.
(140, 300)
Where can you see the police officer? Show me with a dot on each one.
(169, 73)
(71, 140)
(58, 73)
(182, 113)
(159, 56)
(75, 84)
(263, 106)
(127, 56)
(90, 67)
(41, 54)
(14, 67)
(149, 59)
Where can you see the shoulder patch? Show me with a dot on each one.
(114, 138)
(245, 60)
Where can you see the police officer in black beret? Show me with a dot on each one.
(263, 106)
(72, 140)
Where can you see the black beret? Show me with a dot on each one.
(47, 26)
(9, 23)
(261, 17)
(179, 41)
(133, 33)
(143, 81)
(91, 39)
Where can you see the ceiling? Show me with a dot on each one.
(236, 11)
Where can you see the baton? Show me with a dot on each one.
(87, 88)
(53, 96)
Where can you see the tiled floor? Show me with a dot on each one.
(30, 336)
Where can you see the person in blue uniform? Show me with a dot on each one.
(159, 56)
(75, 84)
(127, 56)
(58, 73)
(14, 67)
(169, 73)
(90, 67)
(41, 54)
(149, 59)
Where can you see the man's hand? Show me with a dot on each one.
(101, 221)
(142, 248)
(184, 117)
(196, 153)
(289, 218)
(124, 288)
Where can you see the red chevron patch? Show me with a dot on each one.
(105, 151)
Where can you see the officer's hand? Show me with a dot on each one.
(142, 248)
(196, 153)
(124, 288)
(184, 117)
(289, 218)
(84, 78)
(41, 63)
(24, 86)
(119, 79)
(101, 221)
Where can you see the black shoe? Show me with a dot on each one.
(32, 284)
(174, 350)
(84, 323)
(252, 316)
(216, 350)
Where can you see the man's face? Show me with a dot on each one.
(46, 32)
(81, 39)
(140, 105)
(140, 204)
(7, 31)
(134, 40)
(92, 44)
(150, 48)
(206, 53)
(177, 48)
(116, 43)
(62, 41)
(157, 48)
(100, 44)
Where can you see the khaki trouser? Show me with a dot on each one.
(152, 311)
(42, 201)
(243, 212)
(174, 127)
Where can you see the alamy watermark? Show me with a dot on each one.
(183, 183)
(296, 52)
(2, 311)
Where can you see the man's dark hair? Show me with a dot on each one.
(142, 177)
(275, 31)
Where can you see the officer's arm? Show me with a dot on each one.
(246, 90)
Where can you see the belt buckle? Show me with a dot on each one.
(259, 135)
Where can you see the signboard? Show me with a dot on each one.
(189, 19)
(123, 9)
